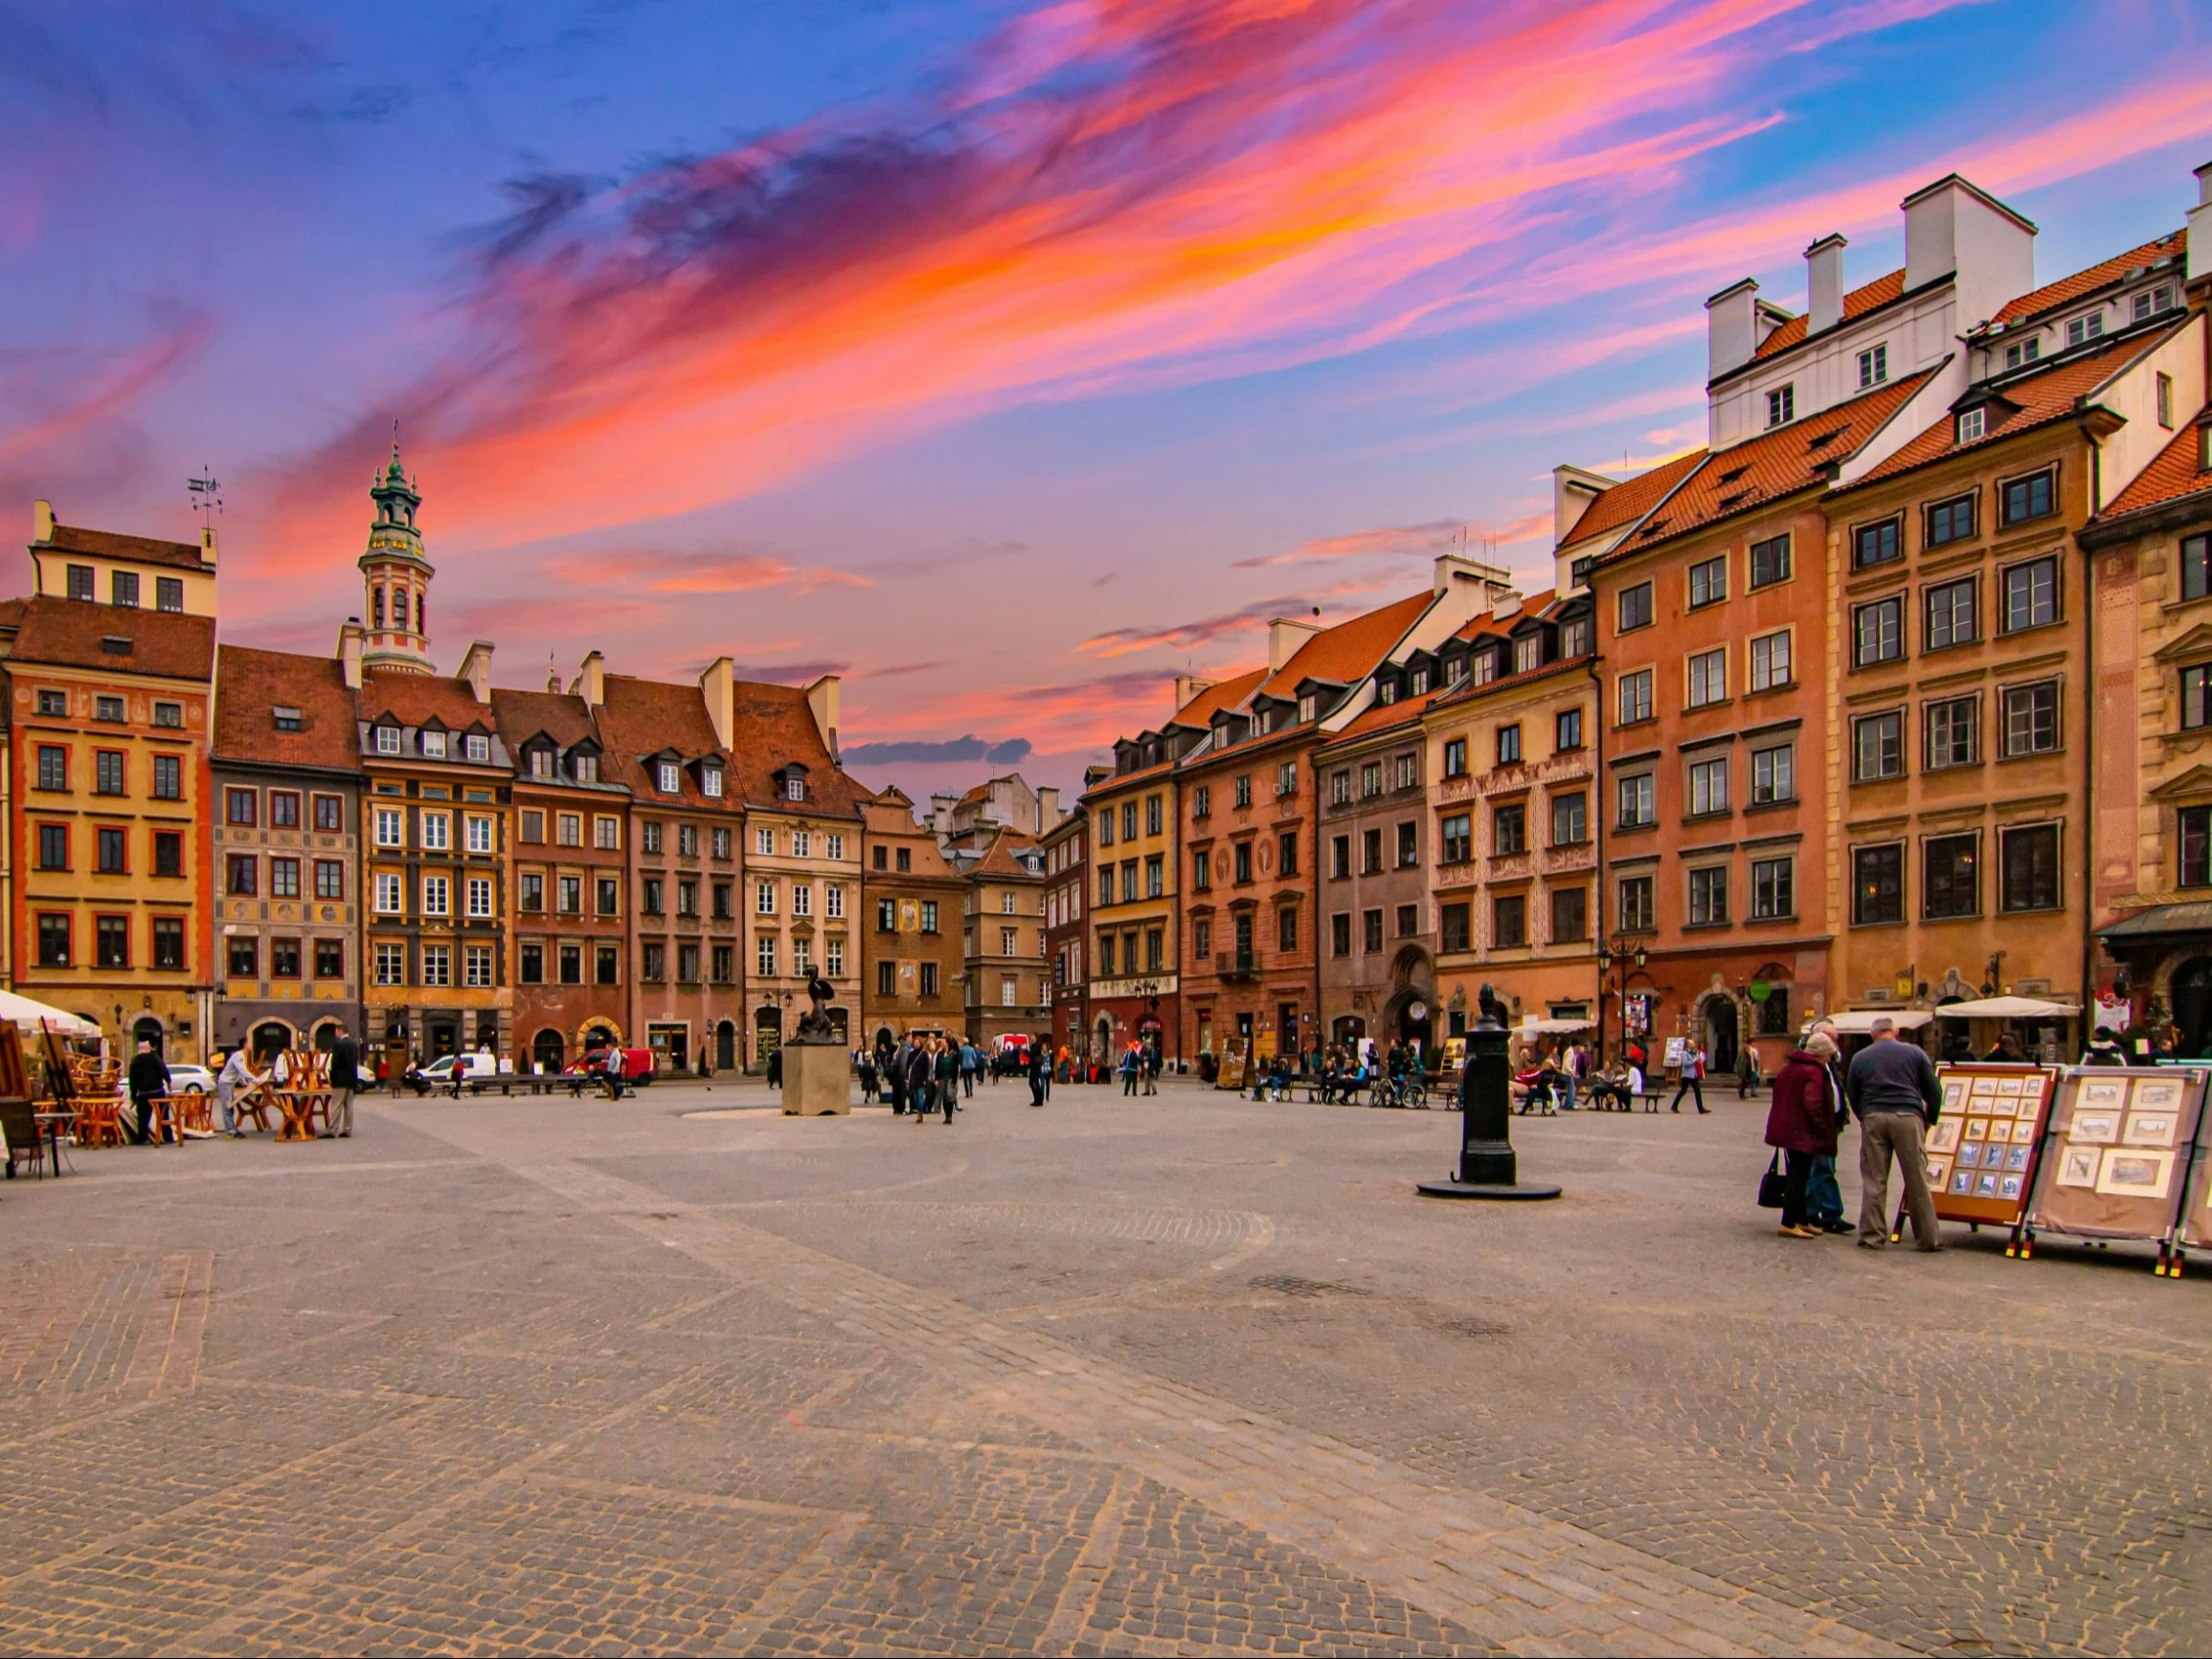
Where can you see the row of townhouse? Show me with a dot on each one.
(209, 843)
(1893, 696)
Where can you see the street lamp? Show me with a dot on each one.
(1623, 951)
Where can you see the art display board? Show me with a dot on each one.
(2119, 1152)
(1981, 1151)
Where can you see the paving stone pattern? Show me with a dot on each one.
(1136, 1377)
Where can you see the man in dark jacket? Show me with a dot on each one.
(920, 1070)
(344, 1079)
(1040, 1074)
(948, 1079)
(148, 1077)
(1891, 1087)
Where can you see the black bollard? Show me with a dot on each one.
(1488, 1166)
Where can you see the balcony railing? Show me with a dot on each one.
(1237, 965)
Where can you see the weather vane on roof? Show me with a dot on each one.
(207, 494)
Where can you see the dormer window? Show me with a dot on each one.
(2152, 300)
(587, 768)
(479, 747)
(433, 744)
(1387, 690)
(669, 777)
(115, 646)
(541, 763)
(1486, 665)
(1528, 653)
(1306, 708)
(795, 788)
(388, 740)
(1972, 425)
(710, 781)
(2023, 352)
(1574, 637)
(287, 719)
(2080, 330)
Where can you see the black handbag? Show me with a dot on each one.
(1772, 1185)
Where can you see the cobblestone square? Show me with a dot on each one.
(1119, 1376)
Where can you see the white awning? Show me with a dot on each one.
(1859, 1022)
(1552, 1027)
(27, 1011)
(2007, 1008)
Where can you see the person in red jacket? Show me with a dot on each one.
(1801, 1123)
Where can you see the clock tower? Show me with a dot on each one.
(396, 575)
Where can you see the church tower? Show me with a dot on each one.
(396, 575)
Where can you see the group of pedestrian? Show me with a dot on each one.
(1139, 1065)
(148, 1079)
(1889, 1088)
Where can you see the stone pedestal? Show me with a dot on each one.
(816, 1080)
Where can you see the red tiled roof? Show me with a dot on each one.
(521, 715)
(251, 686)
(2176, 473)
(998, 859)
(2082, 283)
(1630, 499)
(1490, 622)
(642, 717)
(1383, 716)
(170, 644)
(2055, 393)
(1222, 694)
(139, 549)
(1856, 303)
(774, 727)
(1773, 466)
(1349, 651)
(416, 699)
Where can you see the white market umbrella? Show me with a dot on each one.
(27, 1011)
(2007, 1008)
(1860, 1021)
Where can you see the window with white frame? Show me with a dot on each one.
(437, 831)
(2152, 300)
(1781, 405)
(833, 959)
(436, 895)
(710, 781)
(764, 842)
(764, 954)
(833, 900)
(389, 826)
(1972, 425)
(2080, 330)
(795, 788)
(833, 847)
(764, 899)
(1709, 678)
(802, 899)
(476, 966)
(1709, 786)
(478, 831)
(802, 844)
(433, 745)
(1873, 367)
(480, 896)
(388, 743)
(1771, 660)
(389, 899)
(478, 748)
(668, 778)
(391, 964)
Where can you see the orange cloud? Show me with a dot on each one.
(1132, 189)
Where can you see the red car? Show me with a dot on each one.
(637, 1065)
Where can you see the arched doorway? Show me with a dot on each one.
(147, 1030)
(1102, 1040)
(548, 1051)
(271, 1036)
(1347, 1029)
(325, 1037)
(726, 1045)
(767, 1032)
(2192, 1000)
(444, 1037)
(1719, 1034)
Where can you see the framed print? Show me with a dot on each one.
(1943, 1136)
(1970, 1155)
(2023, 1131)
(1939, 1174)
(1954, 1094)
(1985, 1086)
(1985, 1184)
(2094, 1127)
(2100, 1092)
(2014, 1159)
(2157, 1094)
(2078, 1166)
(2150, 1127)
(2009, 1086)
(2128, 1174)
(1977, 1129)
(2008, 1186)
(1962, 1184)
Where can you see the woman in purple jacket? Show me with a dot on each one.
(1801, 1122)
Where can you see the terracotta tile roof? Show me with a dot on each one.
(1491, 623)
(12, 612)
(2055, 393)
(69, 631)
(1222, 694)
(251, 686)
(996, 862)
(1349, 651)
(521, 715)
(2176, 473)
(1467, 690)
(775, 726)
(139, 549)
(643, 717)
(1384, 716)
(1773, 466)
(2082, 283)
(981, 792)
(1856, 303)
(416, 699)
(1630, 499)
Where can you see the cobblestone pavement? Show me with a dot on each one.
(1140, 1377)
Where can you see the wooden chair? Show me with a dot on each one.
(100, 1121)
(194, 1111)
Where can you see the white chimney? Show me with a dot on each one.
(718, 687)
(351, 635)
(1954, 229)
(1572, 490)
(476, 670)
(592, 681)
(42, 521)
(2200, 236)
(1450, 568)
(821, 704)
(1186, 688)
(1825, 283)
(1284, 637)
(1732, 328)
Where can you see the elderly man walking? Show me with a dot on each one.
(344, 1079)
(1891, 1087)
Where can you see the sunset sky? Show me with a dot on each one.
(1005, 358)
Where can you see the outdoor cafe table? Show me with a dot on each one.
(300, 1107)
